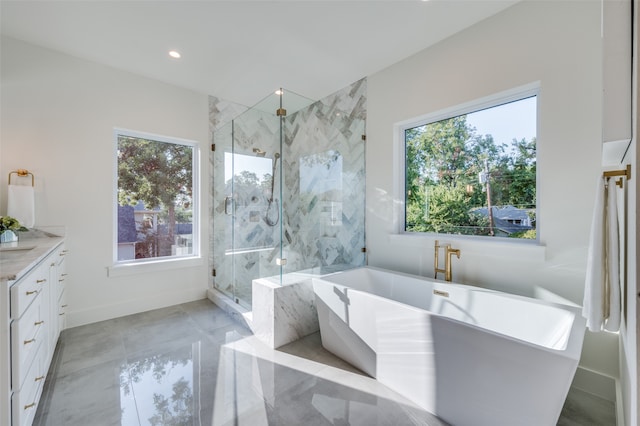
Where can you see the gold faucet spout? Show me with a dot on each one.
(448, 253)
(451, 251)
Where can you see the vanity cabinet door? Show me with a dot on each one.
(60, 293)
(62, 311)
(25, 400)
(28, 338)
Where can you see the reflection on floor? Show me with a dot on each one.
(192, 364)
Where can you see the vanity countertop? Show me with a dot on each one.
(20, 257)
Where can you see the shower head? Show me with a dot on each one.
(276, 155)
(259, 152)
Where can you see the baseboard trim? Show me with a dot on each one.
(596, 383)
(148, 303)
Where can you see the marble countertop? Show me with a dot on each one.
(18, 258)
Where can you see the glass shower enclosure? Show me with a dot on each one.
(284, 176)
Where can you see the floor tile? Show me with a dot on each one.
(193, 364)
(83, 397)
(78, 352)
(582, 408)
(145, 335)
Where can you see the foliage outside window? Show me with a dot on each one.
(156, 216)
(462, 180)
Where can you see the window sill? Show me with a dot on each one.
(484, 246)
(123, 269)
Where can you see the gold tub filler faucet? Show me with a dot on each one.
(448, 252)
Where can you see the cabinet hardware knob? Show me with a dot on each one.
(61, 314)
(61, 280)
(29, 293)
(37, 379)
(53, 264)
(26, 342)
(64, 274)
(33, 404)
(64, 306)
(63, 253)
(41, 281)
(38, 323)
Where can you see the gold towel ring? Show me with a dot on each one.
(23, 173)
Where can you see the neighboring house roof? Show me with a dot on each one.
(140, 207)
(126, 225)
(504, 214)
(508, 227)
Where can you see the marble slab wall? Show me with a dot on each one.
(284, 313)
(324, 175)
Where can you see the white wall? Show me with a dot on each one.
(629, 331)
(58, 115)
(558, 44)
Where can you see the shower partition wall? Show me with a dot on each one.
(288, 179)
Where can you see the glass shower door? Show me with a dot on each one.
(222, 218)
(255, 162)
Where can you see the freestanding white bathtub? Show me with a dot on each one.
(471, 356)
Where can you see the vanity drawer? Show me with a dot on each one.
(25, 400)
(61, 266)
(61, 284)
(25, 291)
(62, 312)
(27, 335)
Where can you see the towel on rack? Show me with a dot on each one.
(612, 260)
(601, 304)
(21, 204)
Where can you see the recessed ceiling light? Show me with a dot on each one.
(174, 54)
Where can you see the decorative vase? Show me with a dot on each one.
(8, 236)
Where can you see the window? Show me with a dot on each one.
(156, 197)
(473, 173)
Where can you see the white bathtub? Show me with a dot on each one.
(469, 355)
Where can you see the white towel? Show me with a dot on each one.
(592, 306)
(612, 256)
(21, 204)
(601, 304)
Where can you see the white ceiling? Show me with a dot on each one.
(243, 50)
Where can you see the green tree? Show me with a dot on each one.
(448, 209)
(522, 182)
(160, 174)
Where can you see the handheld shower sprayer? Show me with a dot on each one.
(272, 221)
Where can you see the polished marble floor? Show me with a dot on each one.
(192, 364)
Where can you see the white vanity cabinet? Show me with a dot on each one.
(34, 321)
(60, 294)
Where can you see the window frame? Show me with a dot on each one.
(399, 190)
(160, 263)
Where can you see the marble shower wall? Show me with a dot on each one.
(324, 178)
(323, 204)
